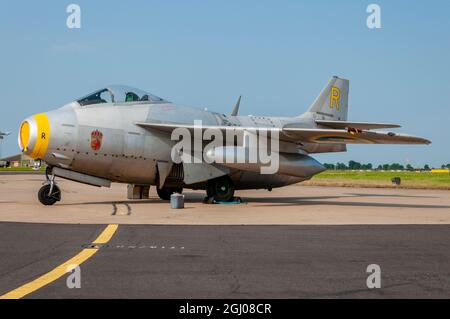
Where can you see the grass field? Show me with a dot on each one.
(21, 169)
(425, 180)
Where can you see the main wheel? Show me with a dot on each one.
(221, 189)
(49, 199)
(165, 192)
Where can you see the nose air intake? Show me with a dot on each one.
(34, 135)
(24, 136)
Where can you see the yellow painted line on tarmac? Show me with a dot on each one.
(62, 269)
(51, 276)
(106, 234)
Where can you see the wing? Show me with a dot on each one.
(305, 135)
(355, 125)
(169, 127)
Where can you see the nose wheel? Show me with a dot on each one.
(49, 193)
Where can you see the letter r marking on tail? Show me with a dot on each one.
(335, 94)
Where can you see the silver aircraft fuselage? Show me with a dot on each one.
(129, 153)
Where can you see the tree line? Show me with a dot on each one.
(353, 165)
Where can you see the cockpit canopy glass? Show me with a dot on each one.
(119, 94)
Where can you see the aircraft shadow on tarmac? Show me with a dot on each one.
(289, 201)
(325, 200)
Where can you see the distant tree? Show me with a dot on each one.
(351, 164)
(354, 165)
(446, 166)
(396, 167)
(426, 167)
(341, 166)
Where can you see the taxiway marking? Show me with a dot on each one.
(106, 234)
(62, 269)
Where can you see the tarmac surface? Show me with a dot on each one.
(163, 261)
(294, 242)
(293, 205)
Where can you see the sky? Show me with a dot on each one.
(277, 54)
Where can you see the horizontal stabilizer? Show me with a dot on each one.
(350, 137)
(355, 125)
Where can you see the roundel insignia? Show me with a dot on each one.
(96, 140)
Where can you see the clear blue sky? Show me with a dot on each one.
(277, 54)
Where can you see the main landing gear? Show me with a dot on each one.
(165, 192)
(220, 189)
(49, 193)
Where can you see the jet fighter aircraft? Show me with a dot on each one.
(3, 134)
(122, 134)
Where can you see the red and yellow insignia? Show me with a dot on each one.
(96, 140)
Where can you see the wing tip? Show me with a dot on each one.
(421, 140)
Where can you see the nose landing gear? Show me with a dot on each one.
(49, 193)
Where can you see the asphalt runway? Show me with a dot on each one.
(172, 261)
(295, 242)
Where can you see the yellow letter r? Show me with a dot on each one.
(334, 97)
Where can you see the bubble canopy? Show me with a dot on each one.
(119, 94)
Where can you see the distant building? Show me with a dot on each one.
(19, 160)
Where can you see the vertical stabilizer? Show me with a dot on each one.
(332, 102)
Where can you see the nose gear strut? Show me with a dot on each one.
(49, 193)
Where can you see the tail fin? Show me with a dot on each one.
(332, 102)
